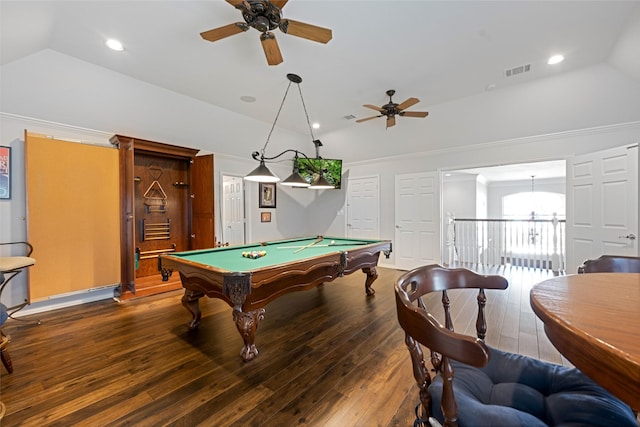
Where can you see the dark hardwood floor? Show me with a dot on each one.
(329, 356)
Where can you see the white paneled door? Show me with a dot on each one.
(602, 205)
(363, 202)
(417, 208)
(233, 221)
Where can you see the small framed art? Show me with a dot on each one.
(265, 217)
(5, 172)
(267, 194)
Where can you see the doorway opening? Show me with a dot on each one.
(505, 215)
(232, 208)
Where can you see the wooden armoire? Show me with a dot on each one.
(166, 205)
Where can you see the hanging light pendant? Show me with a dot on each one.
(320, 183)
(262, 174)
(295, 179)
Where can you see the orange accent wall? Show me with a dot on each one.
(73, 218)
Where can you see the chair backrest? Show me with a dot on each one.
(421, 327)
(611, 264)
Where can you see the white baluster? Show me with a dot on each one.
(555, 257)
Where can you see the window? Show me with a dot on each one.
(543, 204)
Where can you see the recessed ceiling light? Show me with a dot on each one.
(115, 44)
(247, 98)
(555, 59)
(315, 125)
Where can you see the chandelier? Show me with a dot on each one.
(262, 172)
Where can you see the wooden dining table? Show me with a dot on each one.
(594, 321)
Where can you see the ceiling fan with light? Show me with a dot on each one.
(391, 109)
(264, 16)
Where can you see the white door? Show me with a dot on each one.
(417, 207)
(602, 205)
(233, 210)
(363, 202)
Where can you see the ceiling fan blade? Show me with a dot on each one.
(391, 121)
(414, 113)
(271, 48)
(306, 31)
(367, 118)
(222, 32)
(373, 107)
(279, 3)
(236, 3)
(408, 103)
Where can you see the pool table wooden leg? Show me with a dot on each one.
(247, 324)
(190, 302)
(372, 275)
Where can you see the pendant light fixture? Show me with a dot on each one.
(320, 183)
(262, 172)
(295, 179)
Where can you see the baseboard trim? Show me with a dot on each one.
(56, 302)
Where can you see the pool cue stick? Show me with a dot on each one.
(318, 240)
(324, 246)
(301, 247)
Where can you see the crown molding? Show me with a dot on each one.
(76, 133)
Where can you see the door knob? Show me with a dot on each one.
(629, 236)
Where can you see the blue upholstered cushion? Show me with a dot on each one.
(515, 390)
(4, 314)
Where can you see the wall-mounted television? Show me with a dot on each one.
(331, 169)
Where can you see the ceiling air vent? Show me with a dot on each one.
(517, 70)
(350, 117)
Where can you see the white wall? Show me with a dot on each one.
(481, 197)
(459, 195)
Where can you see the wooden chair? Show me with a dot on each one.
(611, 264)
(10, 267)
(4, 353)
(490, 387)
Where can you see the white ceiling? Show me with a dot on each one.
(437, 51)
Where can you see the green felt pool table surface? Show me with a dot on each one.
(277, 252)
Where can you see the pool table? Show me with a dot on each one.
(248, 284)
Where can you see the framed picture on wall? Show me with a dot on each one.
(267, 195)
(265, 217)
(5, 172)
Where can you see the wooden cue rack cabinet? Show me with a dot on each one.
(166, 205)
